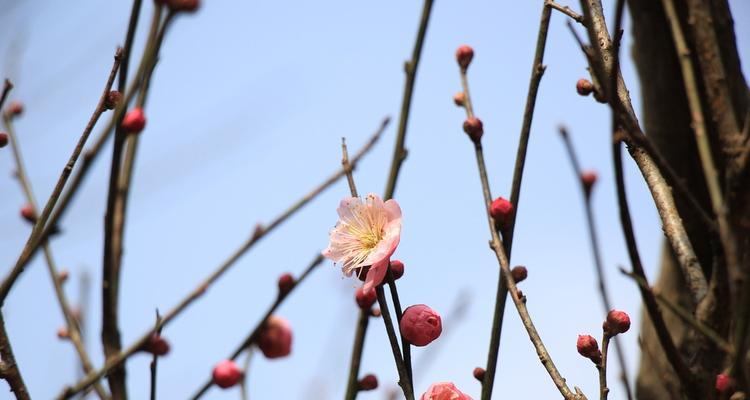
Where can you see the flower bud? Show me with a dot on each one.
(479, 373)
(275, 338)
(473, 127)
(444, 390)
(286, 284)
(460, 99)
(368, 382)
(156, 345)
(226, 374)
(617, 322)
(420, 325)
(3, 139)
(112, 100)
(397, 269)
(724, 383)
(588, 178)
(62, 333)
(27, 213)
(464, 54)
(501, 211)
(375, 312)
(15, 109)
(584, 87)
(365, 300)
(63, 275)
(134, 121)
(589, 348)
(519, 273)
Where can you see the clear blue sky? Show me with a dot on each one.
(248, 105)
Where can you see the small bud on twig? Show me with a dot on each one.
(589, 348)
(501, 211)
(63, 275)
(588, 178)
(420, 325)
(27, 213)
(519, 273)
(397, 269)
(368, 382)
(474, 128)
(584, 87)
(375, 312)
(3, 139)
(226, 374)
(134, 121)
(464, 54)
(156, 345)
(15, 109)
(479, 373)
(617, 322)
(286, 284)
(460, 99)
(112, 100)
(62, 333)
(365, 300)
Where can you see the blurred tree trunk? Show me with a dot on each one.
(666, 118)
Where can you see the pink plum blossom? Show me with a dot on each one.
(444, 391)
(367, 234)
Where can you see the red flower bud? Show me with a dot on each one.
(15, 108)
(464, 54)
(275, 338)
(724, 383)
(589, 348)
(420, 325)
(156, 345)
(479, 373)
(459, 98)
(473, 127)
(63, 275)
(183, 5)
(226, 374)
(519, 273)
(397, 269)
(134, 121)
(584, 87)
(365, 300)
(27, 213)
(62, 333)
(286, 283)
(617, 322)
(375, 312)
(3, 139)
(588, 178)
(112, 100)
(501, 210)
(368, 382)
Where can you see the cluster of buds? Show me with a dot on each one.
(420, 325)
(617, 322)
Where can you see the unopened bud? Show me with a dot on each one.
(15, 109)
(617, 322)
(474, 128)
(63, 275)
(286, 284)
(420, 325)
(182, 5)
(368, 382)
(460, 99)
(134, 121)
(226, 374)
(375, 312)
(584, 87)
(464, 54)
(156, 345)
(501, 211)
(62, 333)
(27, 213)
(365, 300)
(588, 178)
(479, 373)
(724, 383)
(112, 100)
(589, 348)
(397, 269)
(519, 273)
(3, 139)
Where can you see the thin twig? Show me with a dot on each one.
(596, 251)
(352, 386)
(258, 234)
(9, 370)
(155, 358)
(602, 368)
(252, 337)
(497, 247)
(565, 10)
(654, 313)
(74, 334)
(537, 71)
(36, 238)
(244, 392)
(684, 315)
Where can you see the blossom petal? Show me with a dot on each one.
(375, 275)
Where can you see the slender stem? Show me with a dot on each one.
(74, 334)
(252, 337)
(7, 87)
(603, 389)
(155, 358)
(9, 370)
(36, 238)
(352, 386)
(403, 373)
(405, 345)
(348, 168)
(654, 313)
(537, 71)
(244, 395)
(565, 10)
(596, 252)
(497, 246)
(258, 234)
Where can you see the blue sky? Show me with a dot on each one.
(246, 112)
